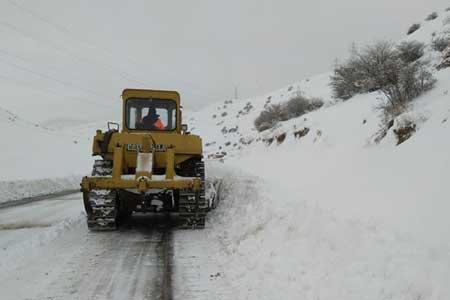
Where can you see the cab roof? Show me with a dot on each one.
(146, 94)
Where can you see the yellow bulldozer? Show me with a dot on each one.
(152, 165)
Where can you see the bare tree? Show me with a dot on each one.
(396, 71)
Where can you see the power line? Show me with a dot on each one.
(15, 56)
(48, 77)
(77, 58)
(68, 32)
(50, 92)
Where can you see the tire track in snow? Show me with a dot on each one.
(132, 263)
(145, 259)
(164, 250)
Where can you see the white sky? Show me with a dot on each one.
(201, 48)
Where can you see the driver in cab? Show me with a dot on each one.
(152, 120)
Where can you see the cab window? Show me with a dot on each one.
(151, 114)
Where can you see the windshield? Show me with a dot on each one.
(151, 114)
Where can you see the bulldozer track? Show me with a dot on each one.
(102, 203)
(193, 206)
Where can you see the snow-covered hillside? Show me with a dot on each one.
(327, 206)
(229, 126)
(45, 140)
(39, 160)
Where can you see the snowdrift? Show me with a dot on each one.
(274, 244)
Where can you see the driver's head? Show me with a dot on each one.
(152, 115)
(151, 111)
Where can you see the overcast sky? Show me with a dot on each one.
(206, 48)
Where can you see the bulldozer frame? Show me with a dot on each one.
(137, 164)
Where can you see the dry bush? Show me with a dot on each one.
(269, 117)
(300, 105)
(445, 59)
(410, 51)
(345, 82)
(414, 27)
(432, 16)
(295, 107)
(389, 69)
(441, 43)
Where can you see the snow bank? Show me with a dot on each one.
(274, 245)
(22, 253)
(20, 189)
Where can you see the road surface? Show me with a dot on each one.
(48, 253)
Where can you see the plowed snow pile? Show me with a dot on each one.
(274, 245)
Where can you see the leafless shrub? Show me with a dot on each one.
(295, 107)
(414, 27)
(300, 105)
(269, 117)
(432, 16)
(441, 43)
(410, 51)
(344, 81)
(445, 60)
(384, 67)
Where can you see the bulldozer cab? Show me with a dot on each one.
(151, 110)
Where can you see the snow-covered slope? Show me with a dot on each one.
(324, 206)
(339, 156)
(38, 160)
(229, 125)
(57, 88)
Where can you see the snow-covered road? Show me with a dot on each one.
(262, 242)
(47, 248)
